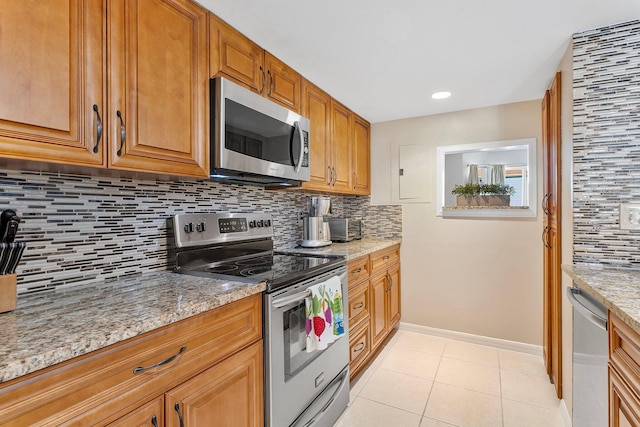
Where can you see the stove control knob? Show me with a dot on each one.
(188, 227)
(201, 227)
(260, 223)
(252, 224)
(267, 223)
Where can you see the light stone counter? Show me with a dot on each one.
(350, 250)
(618, 289)
(53, 327)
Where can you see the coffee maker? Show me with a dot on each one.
(315, 230)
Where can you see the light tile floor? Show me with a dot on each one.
(420, 380)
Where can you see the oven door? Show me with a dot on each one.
(294, 379)
(256, 136)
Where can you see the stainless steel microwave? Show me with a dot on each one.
(254, 140)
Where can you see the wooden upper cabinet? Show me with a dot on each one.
(236, 57)
(51, 77)
(158, 87)
(283, 83)
(316, 106)
(341, 126)
(361, 174)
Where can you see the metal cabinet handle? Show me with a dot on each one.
(545, 237)
(270, 84)
(123, 133)
(545, 204)
(390, 279)
(264, 80)
(355, 180)
(335, 175)
(356, 271)
(98, 129)
(386, 257)
(361, 345)
(177, 408)
(154, 421)
(359, 306)
(161, 363)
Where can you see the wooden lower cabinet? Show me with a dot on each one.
(624, 408)
(150, 414)
(385, 292)
(624, 374)
(374, 303)
(228, 394)
(213, 370)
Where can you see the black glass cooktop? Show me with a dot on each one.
(276, 269)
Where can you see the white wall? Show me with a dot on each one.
(481, 277)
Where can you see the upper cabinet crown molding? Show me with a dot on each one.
(54, 105)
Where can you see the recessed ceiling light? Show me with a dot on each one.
(441, 95)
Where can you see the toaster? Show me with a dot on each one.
(345, 229)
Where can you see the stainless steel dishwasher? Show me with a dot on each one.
(590, 356)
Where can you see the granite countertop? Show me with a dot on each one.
(349, 250)
(618, 289)
(53, 327)
(50, 328)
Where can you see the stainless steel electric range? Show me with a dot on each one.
(301, 388)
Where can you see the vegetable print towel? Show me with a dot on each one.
(324, 314)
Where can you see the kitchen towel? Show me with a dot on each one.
(324, 314)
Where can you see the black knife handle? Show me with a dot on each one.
(12, 229)
(5, 216)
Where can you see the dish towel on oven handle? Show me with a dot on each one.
(324, 314)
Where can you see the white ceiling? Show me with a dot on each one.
(384, 59)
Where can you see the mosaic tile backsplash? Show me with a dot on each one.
(81, 229)
(606, 143)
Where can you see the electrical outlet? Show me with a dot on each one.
(630, 216)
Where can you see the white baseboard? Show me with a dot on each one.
(564, 414)
(475, 339)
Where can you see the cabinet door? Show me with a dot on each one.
(341, 124)
(149, 415)
(51, 77)
(377, 316)
(158, 110)
(393, 296)
(316, 106)
(624, 407)
(235, 56)
(227, 395)
(361, 156)
(283, 83)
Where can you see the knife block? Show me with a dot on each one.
(8, 292)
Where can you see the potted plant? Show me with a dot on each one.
(483, 194)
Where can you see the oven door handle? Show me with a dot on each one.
(284, 301)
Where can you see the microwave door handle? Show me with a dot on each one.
(297, 131)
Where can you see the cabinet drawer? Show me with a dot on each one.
(385, 258)
(624, 351)
(102, 386)
(359, 304)
(359, 348)
(358, 270)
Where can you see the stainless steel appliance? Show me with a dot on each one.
(301, 389)
(345, 229)
(315, 229)
(590, 356)
(254, 140)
